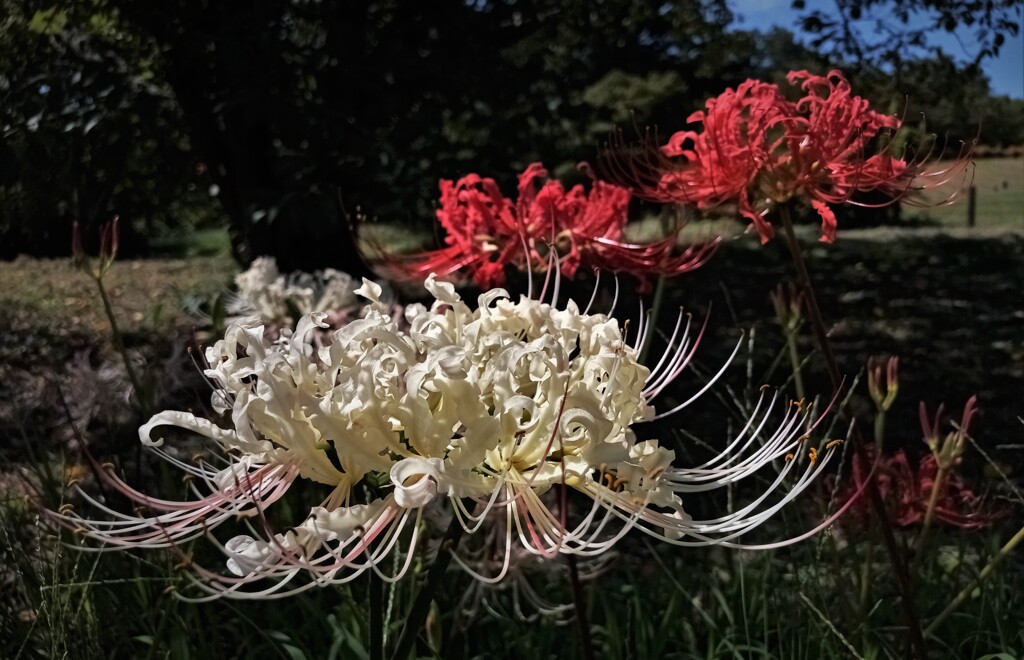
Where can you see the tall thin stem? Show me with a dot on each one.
(929, 515)
(817, 322)
(866, 577)
(794, 363)
(421, 606)
(879, 429)
(966, 592)
(878, 506)
(140, 394)
(580, 607)
(656, 303)
(579, 603)
(376, 617)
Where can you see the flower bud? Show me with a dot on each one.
(883, 398)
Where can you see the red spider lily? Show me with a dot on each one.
(758, 150)
(727, 157)
(906, 492)
(826, 143)
(485, 232)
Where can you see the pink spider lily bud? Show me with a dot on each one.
(756, 150)
(883, 394)
(109, 236)
(486, 232)
(947, 449)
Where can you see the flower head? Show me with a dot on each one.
(738, 142)
(485, 232)
(486, 409)
(758, 150)
(907, 489)
(279, 300)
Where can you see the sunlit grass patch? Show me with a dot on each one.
(999, 190)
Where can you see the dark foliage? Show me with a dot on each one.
(285, 119)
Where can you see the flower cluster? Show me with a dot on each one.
(487, 409)
(280, 300)
(485, 232)
(907, 491)
(756, 149)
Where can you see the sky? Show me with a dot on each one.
(1006, 72)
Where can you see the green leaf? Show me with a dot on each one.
(48, 21)
(294, 652)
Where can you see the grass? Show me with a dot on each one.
(213, 242)
(999, 190)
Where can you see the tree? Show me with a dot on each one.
(887, 32)
(289, 102)
(88, 131)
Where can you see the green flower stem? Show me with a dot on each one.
(140, 394)
(866, 576)
(878, 506)
(580, 609)
(929, 515)
(965, 594)
(376, 617)
(794, 361)
(879, 429)
(165, 614)
(579, 602)
(817, 321)
(421, 606)
(659, 298)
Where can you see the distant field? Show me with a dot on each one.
(998, 182)
(999, 186)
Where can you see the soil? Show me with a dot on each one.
(57, 346)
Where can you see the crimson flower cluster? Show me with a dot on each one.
(485, 232)
(757, 149)
(906, 490)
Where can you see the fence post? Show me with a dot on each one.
(972, 205)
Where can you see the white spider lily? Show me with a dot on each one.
(487, 409)
(278, 299)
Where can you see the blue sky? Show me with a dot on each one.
(1006, 73)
